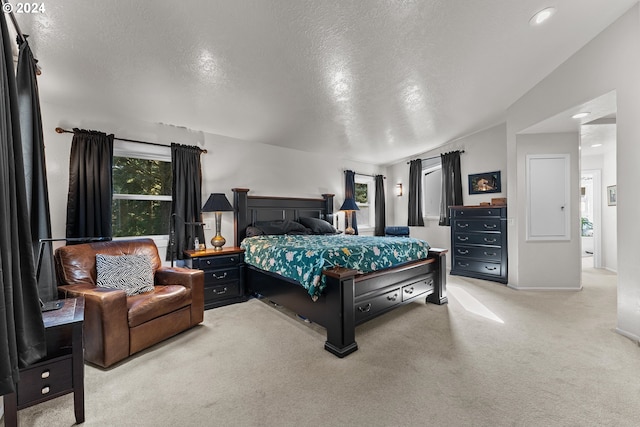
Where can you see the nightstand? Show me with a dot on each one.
(61, 371)
(223, 275)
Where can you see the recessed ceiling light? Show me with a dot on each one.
(580, 115)
(542, 16)
(596, 145)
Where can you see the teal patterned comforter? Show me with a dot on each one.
(303, 258)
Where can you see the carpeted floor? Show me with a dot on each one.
(491, 357)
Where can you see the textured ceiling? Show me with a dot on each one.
(374, 80)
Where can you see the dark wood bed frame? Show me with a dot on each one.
(349, 298)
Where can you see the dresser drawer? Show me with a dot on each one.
(418, 288)
(484, 253)
(476, 212)
(490, 268)
(487, 224)
(376, 305)
(217, 261)
(44, 380)
(222, 291)
(213, 277)
(477, 239)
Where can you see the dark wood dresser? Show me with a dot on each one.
(223, 275)
(61, 371)
(479, 242)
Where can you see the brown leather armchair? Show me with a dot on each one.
(116, 325)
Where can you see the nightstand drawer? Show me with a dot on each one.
(214, 277)
(476, 212)
(222, 291)
(44, 380)
(208, 262)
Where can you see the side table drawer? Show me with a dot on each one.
(207, 262)
(222, 291)
(214, 277)
(44, 380)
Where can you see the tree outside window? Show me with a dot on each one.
(142, 197)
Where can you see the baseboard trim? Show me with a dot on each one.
(542, 288)
(632, 337)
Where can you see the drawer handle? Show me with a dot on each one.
(490, 254)
(222, 292)
(365, 309)
(409, 291)
(490, 240)
(461, 252)
(463, 265)
(232, 259)
(45, 374)
(215, 276)
(462, 225)
(45, 390)
(463, 239)
(208, 262)
(392, 298)
(430, 283)
(490, 268)
(490, 226)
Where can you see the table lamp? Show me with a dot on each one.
(349, 206)
(217, 203)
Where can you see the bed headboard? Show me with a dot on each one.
(250, 209)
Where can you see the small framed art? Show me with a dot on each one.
(612, 195)
(488, 182)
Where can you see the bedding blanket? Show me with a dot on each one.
(303, 258)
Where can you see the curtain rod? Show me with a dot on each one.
(14, 21)
(60, 130)
(366, 174)
(435, 157)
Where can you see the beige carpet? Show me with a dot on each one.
(554, 361)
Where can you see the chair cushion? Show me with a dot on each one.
(131, 273)
(164, 299)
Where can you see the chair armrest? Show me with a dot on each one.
(106, 325)
(189, 278)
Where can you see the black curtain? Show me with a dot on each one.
(22, 339)
(35, 168)
(350, 193)
(90, 185)
(415, 193)
(186, 202)
(451, 185)
(380, 206)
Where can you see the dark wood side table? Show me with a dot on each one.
(61, 371)
(223, 275)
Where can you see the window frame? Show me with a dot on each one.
(152, 153)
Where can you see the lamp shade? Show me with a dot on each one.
(349, 205)
(217, 202)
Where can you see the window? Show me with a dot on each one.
(141, 196)
(431, 188)
(365, 199)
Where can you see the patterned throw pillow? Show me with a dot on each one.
(131, 273)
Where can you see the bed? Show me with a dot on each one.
(348, 296)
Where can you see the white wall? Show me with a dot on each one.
(609, 215)
(561, 259)
(484, 152)
(609, 62)
(229, 163)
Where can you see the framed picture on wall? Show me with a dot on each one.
(488, 182)
(612, 195)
